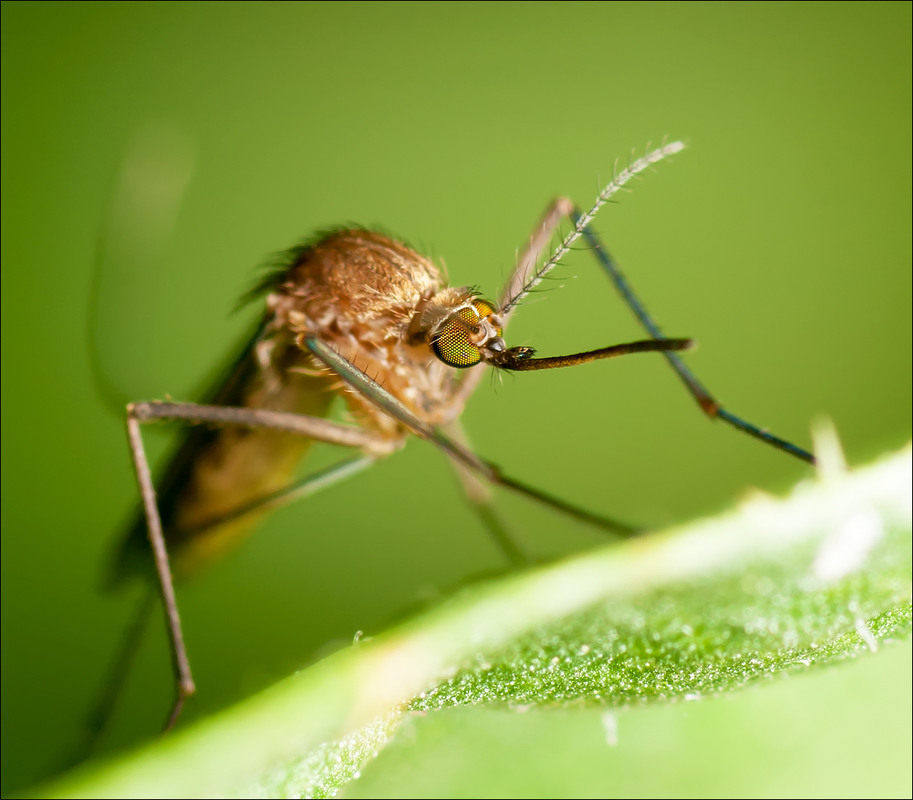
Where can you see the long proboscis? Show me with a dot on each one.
(618, 182)
(519, 359)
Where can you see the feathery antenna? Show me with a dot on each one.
(614, 186)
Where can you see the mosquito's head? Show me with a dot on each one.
(469, 334)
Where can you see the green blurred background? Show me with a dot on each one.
(780, 239)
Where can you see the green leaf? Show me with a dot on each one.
(775, 586)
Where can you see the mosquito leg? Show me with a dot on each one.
(312, 427)
(385, 401)
(183, 677)
(300, 424)
(597, 520)
(380, 397)
(703, 398)
(305, 487)
(480, 500)
(524, 281)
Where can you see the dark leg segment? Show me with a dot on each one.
(704, 399)
(380, 397)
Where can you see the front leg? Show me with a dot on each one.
(707, 403)
(525, 279)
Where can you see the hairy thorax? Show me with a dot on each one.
(362, 293)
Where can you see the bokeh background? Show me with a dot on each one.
(780, 239)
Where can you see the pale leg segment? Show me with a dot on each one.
(312, 427)
(479, 496)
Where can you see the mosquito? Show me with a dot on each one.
(358, 314)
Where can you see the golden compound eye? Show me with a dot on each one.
(466, 329)
(453, 344)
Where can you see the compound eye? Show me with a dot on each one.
(453, 344)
